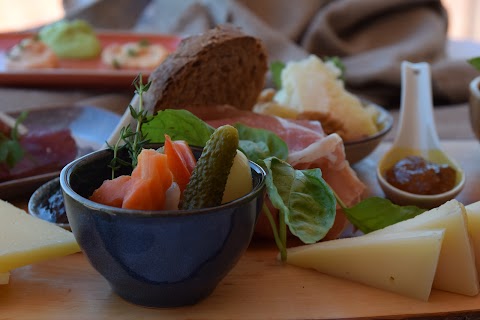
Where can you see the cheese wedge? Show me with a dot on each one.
(4, 277)
(403, 262)
(25, 239)
(456, 271)
(473, 215)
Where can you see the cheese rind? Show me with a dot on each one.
(456, 271)
(25, 239)
(4, 277)
(473, 216)
(403, 262)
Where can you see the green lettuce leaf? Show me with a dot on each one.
(302, 197)
(179, 125)
(377, 213)
(259, 144)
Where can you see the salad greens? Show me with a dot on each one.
(259, 144)
(376, 213)
(256, 144)
(306, 203)
(179, 125)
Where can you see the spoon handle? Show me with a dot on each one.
(416, 125)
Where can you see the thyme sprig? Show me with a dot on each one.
(133, 140)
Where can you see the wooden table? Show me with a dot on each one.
(259, 287)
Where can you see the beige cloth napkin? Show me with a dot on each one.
(371, 36)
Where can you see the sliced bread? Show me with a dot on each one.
(220, 66)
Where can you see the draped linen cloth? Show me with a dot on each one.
(372, 37)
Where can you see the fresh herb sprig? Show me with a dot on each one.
(133, 140)
(11, 151)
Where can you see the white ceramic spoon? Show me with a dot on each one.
(417, 135)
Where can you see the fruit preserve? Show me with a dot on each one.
(416, 175)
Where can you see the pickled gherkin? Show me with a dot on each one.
(207, 183)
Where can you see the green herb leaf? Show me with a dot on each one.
(5, 153)
(147, 86)
(179, 125)
(303, 198)
(116, 64)
(4, 149)
(132, 52)
(259, 144)
(475, 62)
(338, 63)
(11, 151)
(376, 213)
(143, 43)
(276, 68)
(15, 153)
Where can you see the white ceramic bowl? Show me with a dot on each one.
(474, 106)
(359, 149)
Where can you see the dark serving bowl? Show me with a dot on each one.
(158, 258)
(46, 203)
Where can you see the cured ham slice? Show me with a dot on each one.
(45, 152)
(309, 147)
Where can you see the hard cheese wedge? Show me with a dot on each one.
(456, 271)
(403, 262)
(25, 239)
(4, 277)
(473, 215)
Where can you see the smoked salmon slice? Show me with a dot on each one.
(112, 192)
(144, 190)
(179, 161)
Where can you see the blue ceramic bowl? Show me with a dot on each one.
(158, 258)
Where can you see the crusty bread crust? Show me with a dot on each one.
(220, 66)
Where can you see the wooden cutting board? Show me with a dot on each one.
(259, 287)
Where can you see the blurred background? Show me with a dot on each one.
(25, 14)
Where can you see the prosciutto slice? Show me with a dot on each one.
(309, 147)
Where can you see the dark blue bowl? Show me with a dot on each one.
(158, 258)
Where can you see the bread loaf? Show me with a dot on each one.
(220, 66)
